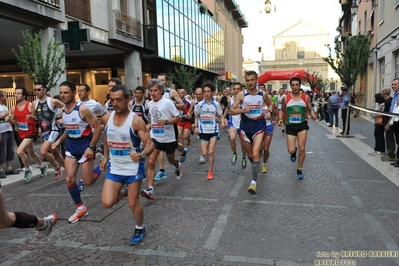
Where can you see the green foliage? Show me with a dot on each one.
(38, 66)
(179, 59)
(313, 80)
(185, 77)
(203, 8)
(352, 61)
(221, 84)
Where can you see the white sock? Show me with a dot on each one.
(253, 182)
(140, 227)
(81, 207)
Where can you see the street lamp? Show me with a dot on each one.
(268, 8)
(354, 8)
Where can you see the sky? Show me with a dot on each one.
(324, 14)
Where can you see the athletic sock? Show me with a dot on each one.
(96, 171)
(75, 194)
(255, 170)
(162, 170)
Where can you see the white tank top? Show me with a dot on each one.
(121, 141)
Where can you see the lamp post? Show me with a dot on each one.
(354, 8)
(268, 8)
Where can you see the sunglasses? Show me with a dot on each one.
(39, 89)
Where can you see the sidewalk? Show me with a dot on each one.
(347, 202)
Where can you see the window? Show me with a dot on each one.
(300, 53)
(284, 86)
(332, 86)
(382, 72)
(381, 9)
(269, 87)
(397, 63)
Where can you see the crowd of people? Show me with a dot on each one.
(137, 129)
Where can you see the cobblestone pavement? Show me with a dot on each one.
(347, 202)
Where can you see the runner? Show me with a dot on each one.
(21, 114)
(295, 107)
(253, 121)
(123, 133)
(163, 114)
(199, 96)
(234, 122)
(82, 131)
(184, 125)
(206, 125)
(46, 110)
(268, 136)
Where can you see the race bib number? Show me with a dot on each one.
(73, 130)
(158, 130)
(207, 120)
(181, 113)
(254, 109)
(23, 126)
(119, 148)
(295, 118)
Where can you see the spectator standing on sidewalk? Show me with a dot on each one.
(6, 139)
(333, 111)
(389, 135)
(344, 111)
(379, 126)
(394, 122)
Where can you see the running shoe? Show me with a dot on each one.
(252, 189)
(210, 175)
(183, 156)
(234, 159)
(27, 175)
(148, 193)
(80, 212)
(50, 220)
(293, 156)
(243, 163)
(283, 130)
(138, 236)
(189, 142)
(58, 173)
(81, 185)
(179, 172)
(202, 159)
(160, 176)
(264, 168)
(218, 136)
(299, 174)
(43, 171)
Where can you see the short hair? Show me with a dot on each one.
(158, 83)
(386, 91)
(116, 80)
(295, 79)
(209, 85)
(24, 91)
(237, 83)
(250, 73)
(126, 92)
(42, 83)
(139, 88)
(87, 87)
(69, 84)
(164, 74)
(2, 94)
(262, 84)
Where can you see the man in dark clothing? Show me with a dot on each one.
(389, 135)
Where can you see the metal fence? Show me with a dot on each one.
(11, 98)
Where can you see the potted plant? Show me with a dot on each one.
(203, 8)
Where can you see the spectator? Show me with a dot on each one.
(379, 126)
(333, 112)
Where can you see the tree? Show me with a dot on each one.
(185, 77)
(39, 66)
(313, 80)
(352, 61)
(221, 84)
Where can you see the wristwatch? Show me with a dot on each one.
(143, 155)
(166, 122)
(92, 147)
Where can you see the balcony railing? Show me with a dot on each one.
(53, 3)
(128, 25)
(79, 9)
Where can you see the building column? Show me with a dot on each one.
(133, 70)
(47, 36)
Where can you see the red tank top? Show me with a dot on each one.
(26, 127)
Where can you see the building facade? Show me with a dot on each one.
(132, 40)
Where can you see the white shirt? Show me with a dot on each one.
(162, 109)
(95, 107)
(4, 126)
(206, 113)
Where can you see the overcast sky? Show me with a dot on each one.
(324, 14)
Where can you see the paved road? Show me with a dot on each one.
(347, 202)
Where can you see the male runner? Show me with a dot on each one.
(253, 123)
(123, 133)
(294, 110)
(82, 131)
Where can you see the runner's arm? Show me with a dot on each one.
(179, 103)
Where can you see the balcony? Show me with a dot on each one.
(53, 3)
(43, 10)
(124, 28)
(79, 9)
(150, 37)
